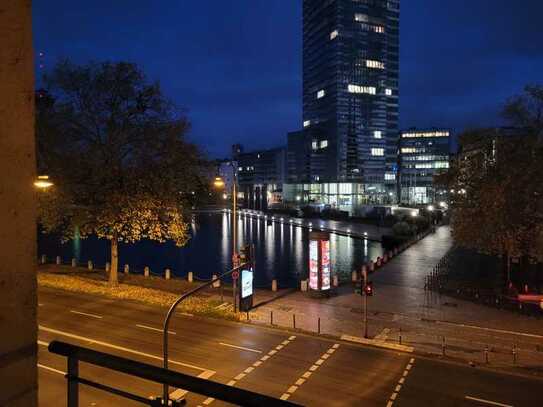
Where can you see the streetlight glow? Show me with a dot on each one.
(43, 182)
(218, 182)
(431, 208)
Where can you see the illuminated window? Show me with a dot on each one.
(409, 150)
(315, 145)
(240, 169)
(375, 64)
(333, 34)
(324, 143)
(390, 177)
(362, 89)
(378, 152)
(426, 134)
(321, 93)
(307, 123)
(388, 92)
(378, 134)
(361, 18)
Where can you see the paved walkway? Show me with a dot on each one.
(401, 307)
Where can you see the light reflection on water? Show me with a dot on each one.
(282, 250)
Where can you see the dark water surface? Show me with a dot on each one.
(282, 250)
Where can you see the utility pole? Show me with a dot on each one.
(365, 300)
(235, 258)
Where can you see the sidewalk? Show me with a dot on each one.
(402, 308)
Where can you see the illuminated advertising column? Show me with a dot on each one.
(319, 261)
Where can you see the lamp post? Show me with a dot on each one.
(219, 183)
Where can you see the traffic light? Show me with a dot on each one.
(368, 289)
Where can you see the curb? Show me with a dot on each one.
(377, 343)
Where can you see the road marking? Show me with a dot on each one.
(501, 331)
(51, 369)
(206, 373)
(40, 304)
(292, 389)
(383, 335)
(186, 314)
(154, 329)
(250, 369)
(240, 347)
(401, 382)
(43, 343)
(178, 394)
(491, 403)
(86, 314)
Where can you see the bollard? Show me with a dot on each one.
(248, 316)
(271, 317)
(274, 285)
(146, 271)
(108, 266)
(58, 260)
(74, 262)
(319, 325)
(335, 280)
(126, 269)
(354, 276)
(190, 277)
(294, 321)
(90, 266)
(400, 336)
(486, 354)
(167, 274)
(385, 258)
(514, 354)
(443, 346)
(43, 259)
(378, 262)
(303, 285)
(217, 283)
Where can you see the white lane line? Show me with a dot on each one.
(501, 331)
(43, 343)
(240, 347)
(51, 369)
(249, 370)
(401, 382)
(208, 401)
(257, 363)
(301, 380)
(207, 372)
(86, 314)
(239, 376)
(491, 403)
(40, 304)
(231, 383)
(150, 328)
(177, 394)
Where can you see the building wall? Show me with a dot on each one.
(422, 155)
(350, 89)
(18, 330)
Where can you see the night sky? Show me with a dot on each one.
(235, 65)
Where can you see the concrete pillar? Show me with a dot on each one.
(74, 263)
(58, 260)
(303, 286)
(274, 285)
(108, 266)
(90, 266)
(43, 259)
(146, 271)
(217, 283)
(354, 276)
(18, 370)
(190, 277)
(126, 269)
(167, 274)
(335, 281)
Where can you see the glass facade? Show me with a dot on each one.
(422, 155)
(350, 94)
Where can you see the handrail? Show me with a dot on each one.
(152, 373)
(165, 392)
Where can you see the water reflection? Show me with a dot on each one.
(281, 250)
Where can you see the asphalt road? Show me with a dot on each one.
(305, 369)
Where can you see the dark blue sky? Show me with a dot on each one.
(236, 65)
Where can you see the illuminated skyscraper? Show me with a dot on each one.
(350, 98)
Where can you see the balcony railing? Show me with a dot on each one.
(219, 391)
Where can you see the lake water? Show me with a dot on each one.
(282, 250)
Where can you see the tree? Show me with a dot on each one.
(497, 184)
(116, 150)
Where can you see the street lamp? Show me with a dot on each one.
(43, 182)
(431, 208)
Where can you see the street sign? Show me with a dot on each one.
(235, 275)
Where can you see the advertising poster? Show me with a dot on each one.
(325, 247)
(246, 283)
(313, 265)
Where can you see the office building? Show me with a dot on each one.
(350, 103)
(261, 175)
(422, 155)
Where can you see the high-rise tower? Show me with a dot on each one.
(350, 95)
